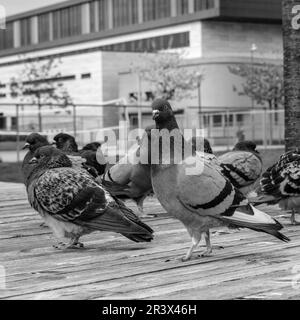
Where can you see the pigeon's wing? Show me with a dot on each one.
(201, 188)
(283, 178)
(242, 168)
(67, 194)
(208, 193)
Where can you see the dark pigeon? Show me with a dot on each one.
(86, 158)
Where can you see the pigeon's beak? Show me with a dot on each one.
(26, 146)
(33, 160)
(155, 114)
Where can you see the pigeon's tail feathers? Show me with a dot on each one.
(257, 220)
(122, 220)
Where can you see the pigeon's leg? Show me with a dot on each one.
(293, 219)
(139, 203)
(208, 250)
(195, 242)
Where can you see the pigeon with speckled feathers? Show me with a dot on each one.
(73, 204)
(280, 184)
(198, 194)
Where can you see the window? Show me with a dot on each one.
(67, 22)
(125, 12)
(25, 30)
(217, 120)
(203, 4)
(182, 7)
(2, 121)
(6, 37)
(177, 40)
(85, 75)
(240, 118)
(156, 9)
(98, 15)
(44, 27)
(102, 15)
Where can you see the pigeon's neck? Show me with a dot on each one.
(34, 174)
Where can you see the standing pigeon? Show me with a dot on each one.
(197, 194)
(73, 204)
(86, 158)
(242, 166)
(33, 142)
(130, 180)
(281, 184)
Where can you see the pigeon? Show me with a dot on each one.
(197, 194)
(130, 180)
(242, 166)
(86, 158)
(205, 145)
(73, 204)
(93, 146)
(280, 184)
(32, 143)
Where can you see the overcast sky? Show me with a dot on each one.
(18, 6)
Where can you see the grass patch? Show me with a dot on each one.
(11, 172)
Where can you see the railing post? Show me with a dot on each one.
(265, 128)
(17, 133)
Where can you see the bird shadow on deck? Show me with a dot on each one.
(250, 265)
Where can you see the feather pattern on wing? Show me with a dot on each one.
(242, 168)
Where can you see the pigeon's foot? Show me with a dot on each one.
(206, 253)
(294, 222)
(70, 245)
(43, 225)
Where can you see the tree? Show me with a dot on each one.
(170, 77)
(39, 83)
(263, 84)
(291, 46)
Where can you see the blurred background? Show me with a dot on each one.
(84, 67)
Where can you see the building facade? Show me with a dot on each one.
(98, 41)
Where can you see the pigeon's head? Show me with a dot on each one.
(35, 141)
(246, 146)
(64, 141)
(48, 157)
(161, 110)
(93, 146)
(203, 143)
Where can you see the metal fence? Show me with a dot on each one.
(89, 122)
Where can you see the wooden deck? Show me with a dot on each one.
(250, 266)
